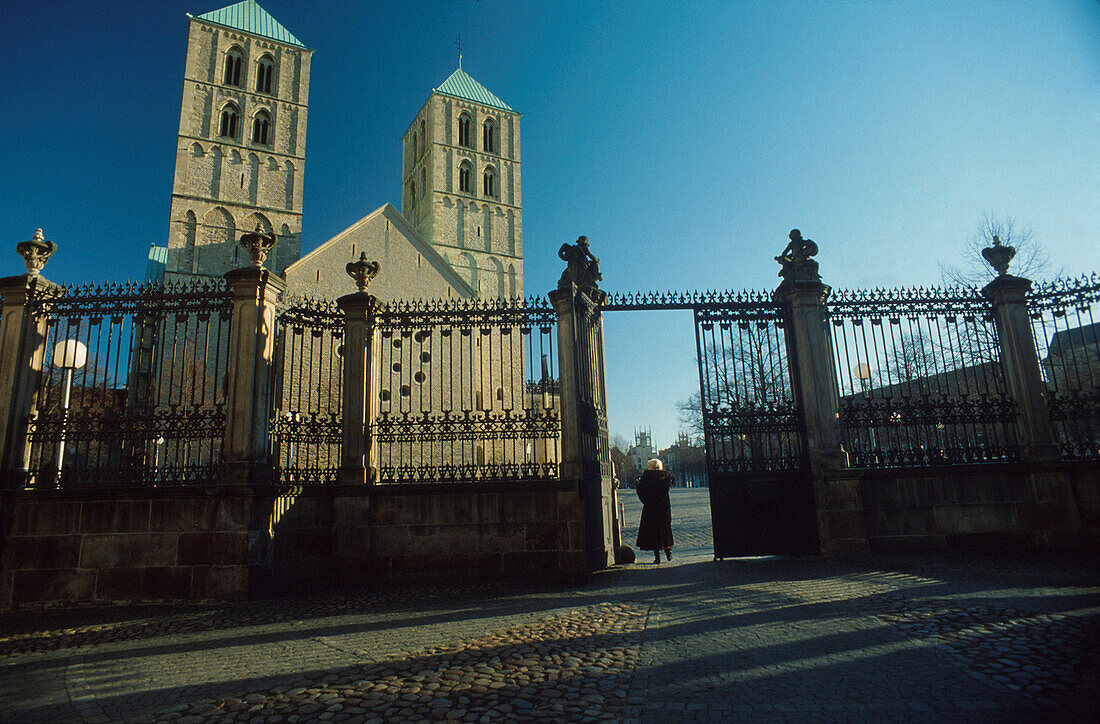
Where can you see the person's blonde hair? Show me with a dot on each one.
(654, 464)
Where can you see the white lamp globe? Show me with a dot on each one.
(70, 354)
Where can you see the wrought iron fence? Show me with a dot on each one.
(1067, 339)
(467, 391)
(307, 382)
(920, 378)
(133, 385)
(750, 420)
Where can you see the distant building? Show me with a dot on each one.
(687, 461)
(642, 451)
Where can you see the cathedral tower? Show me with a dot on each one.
(240, 155)
(461, 184)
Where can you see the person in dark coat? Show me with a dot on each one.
(655, 528)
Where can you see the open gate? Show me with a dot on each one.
(761, 493)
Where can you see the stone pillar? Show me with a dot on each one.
(585, 451)
(358, 451)
(22, 353)
(1020, 362)
(245, 445)
(842, 528)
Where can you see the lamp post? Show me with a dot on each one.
(69, 355)
(863, 372)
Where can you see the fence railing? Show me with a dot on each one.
(307, 382)
(751, 422)
(133, 385)
(467, 391)
(1067, 339)
(920, 379)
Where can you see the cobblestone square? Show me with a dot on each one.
(899, 638)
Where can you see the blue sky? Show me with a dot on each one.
(684, 139)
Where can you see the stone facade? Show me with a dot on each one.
(231, 180)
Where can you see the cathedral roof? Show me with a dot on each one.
(251, 18)
(460, 84)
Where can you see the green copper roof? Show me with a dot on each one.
(251, 18)
(462, 85)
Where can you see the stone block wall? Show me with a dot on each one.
(232, 543)
(1011, 506)
(82, 546)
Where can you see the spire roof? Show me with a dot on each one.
(249, 17)
(460, 84)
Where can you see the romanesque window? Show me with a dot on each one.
(464, 173)
(464, 131)
(423, 139)
(233, 60)
(261, 127)
(265, 73)
(488, 137)
(230, 119)
(423, 181)
(488, 183)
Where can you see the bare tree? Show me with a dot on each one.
(1031, 260)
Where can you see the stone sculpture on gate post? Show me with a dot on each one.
(22, 353)
(255, 290)
(841, 526)
(358, 453)
(577, 301)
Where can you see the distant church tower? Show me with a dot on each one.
(240, 156)
(461, 184)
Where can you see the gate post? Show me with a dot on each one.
(585, 451)
(245, 444)
(22, 353)
(841, 526)
(358, 456)
(1019, 358)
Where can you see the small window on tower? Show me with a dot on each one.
(261, 127)
(464, 131)
(230, 119)
(265, 73)
(423, 181)
(488, 183)
(464, 173)
(234, 58)
(488, 137)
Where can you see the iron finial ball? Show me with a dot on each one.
(36, 251)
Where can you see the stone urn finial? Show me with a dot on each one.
(258, 245)
(36, 252)
(363, 271)
(999, 255)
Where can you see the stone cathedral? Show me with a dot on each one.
(240, 163)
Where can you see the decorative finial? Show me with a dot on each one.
(999, 255)
(458, 44)
(258, 245)
(582, 266)
(36, 252)
(363, 271)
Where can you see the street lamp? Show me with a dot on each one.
(69, 355)
(862, 371)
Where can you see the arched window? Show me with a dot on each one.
(488, 182)
(230, 120)
(423, 181)
(464, 130)
(412, 194)
(234, 58)
(261, 127)
(465, 171)
(423, 139)
(488, 137)
(265, 74)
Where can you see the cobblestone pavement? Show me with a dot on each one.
(917, 638)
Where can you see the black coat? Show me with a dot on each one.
(655, 528)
